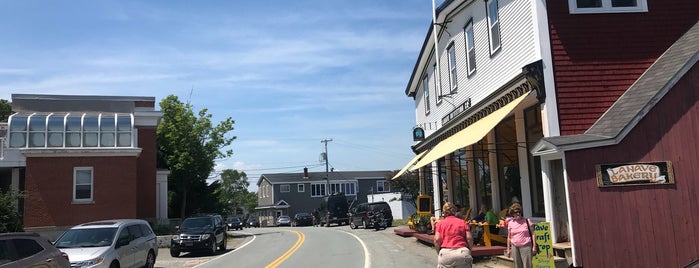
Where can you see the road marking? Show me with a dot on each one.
(288, 253)
(367, 258)
(234, 250)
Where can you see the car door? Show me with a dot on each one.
(139, 244)
(124, 248)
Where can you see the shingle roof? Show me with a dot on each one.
(320, 176)
(636, 102)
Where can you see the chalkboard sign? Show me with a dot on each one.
(424, 205)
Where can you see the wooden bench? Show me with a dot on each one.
(405, 232)
(428, 239)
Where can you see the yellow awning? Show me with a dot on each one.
(469, 135)
(410, 163)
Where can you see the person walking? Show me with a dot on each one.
(520, 238)
(452, 240)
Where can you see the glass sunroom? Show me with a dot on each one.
(71, 130)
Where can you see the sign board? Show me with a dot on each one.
(651, 173)
(544, 259)
(418, 134)
(424, 205)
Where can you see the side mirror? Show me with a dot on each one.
(122, 242)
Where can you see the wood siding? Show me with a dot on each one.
(642, 226)
(596, 57)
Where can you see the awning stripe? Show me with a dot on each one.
(469, 135)
(410, 163)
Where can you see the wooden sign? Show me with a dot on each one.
(652, 173)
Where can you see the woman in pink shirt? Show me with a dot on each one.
(520, 237)
(453, 240)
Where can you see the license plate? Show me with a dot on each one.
(334, 218)
(189, 244)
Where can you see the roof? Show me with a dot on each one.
(636, 102)
(277, 178)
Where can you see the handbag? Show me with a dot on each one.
(529, 229)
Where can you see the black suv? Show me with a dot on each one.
(199, 233)
(336, 211)
(359, 215)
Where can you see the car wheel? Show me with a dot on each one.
(150, 259)
(352, 225)
(364, 224)
(114, 264)
(223, 245)
(174, 253)
(214, 245)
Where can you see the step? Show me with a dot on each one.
(509, 262)
(563, 250)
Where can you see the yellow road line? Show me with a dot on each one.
(288, 253)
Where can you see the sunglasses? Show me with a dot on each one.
(515, 211)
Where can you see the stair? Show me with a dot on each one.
(563, 250)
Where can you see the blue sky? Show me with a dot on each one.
(290, 73)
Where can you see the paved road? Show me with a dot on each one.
(312, 247)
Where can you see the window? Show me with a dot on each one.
(426, 89)
(56, 130)
(493, 25)
(301, 188)
(82, 184)
(453, 79)
(348, 188)
(318, 189)
(607, 6)
(382, 186)
(284, 188)
(470, 48)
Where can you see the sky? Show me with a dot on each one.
(289, 73)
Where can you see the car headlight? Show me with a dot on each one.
(205, 237)
(88, 263)
(175, 237)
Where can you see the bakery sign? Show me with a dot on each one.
(635, 174)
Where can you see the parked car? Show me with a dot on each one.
(110, 243)
(283, 220)
(361, 214)
(234, 223)
(336, 210)
(303, 219)
(30, 250)
(252, 222)
(199, 233)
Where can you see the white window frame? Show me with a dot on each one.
(641, 6)
(318, 189)
(470, 45)
(451, 60)
(75, 184)
(493, 25)
(426, 89)
(284, 188)
(301, 188)
(382, 186)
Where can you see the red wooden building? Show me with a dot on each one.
(627, 87)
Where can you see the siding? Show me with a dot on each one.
(596, 57)
(642, 226)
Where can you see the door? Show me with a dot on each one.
(125, 249)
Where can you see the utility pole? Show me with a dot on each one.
(327, 179)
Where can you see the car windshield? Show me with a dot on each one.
(299, 215)
(89, 237)
(196, 223)
(233, 220)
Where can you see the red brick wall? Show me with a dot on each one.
(596, 57)
(49, 190)
(147, 173)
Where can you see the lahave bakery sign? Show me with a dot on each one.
(635, 174)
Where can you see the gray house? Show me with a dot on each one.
(290, 193)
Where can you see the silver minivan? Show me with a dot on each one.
(110, 243)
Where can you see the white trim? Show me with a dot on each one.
(492, 25)
(300, 188)
(79, 152)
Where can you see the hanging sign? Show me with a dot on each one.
(651, 173)
(418, 134)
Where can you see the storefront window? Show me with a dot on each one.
(532, 121)
(427, 180)
(442, 173)
(508, 162)
(459, 174)
(484, 190)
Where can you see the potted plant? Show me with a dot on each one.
(422, 223)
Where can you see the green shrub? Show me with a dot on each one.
(10, 219)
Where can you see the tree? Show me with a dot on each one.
(5, 110)
(233, 190)
(188, 145)
(408, 184)
(250, 201)
(10, 220)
